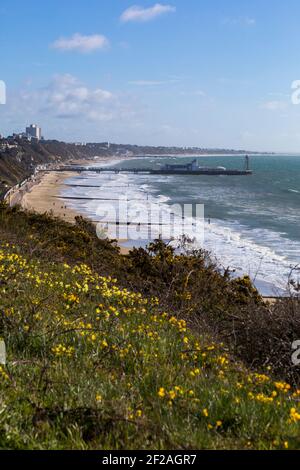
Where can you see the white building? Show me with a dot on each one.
(34, 131)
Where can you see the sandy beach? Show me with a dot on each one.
(42, 194)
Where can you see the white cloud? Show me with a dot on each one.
(80, 43)
(140, 14)
(69, 109)
(67, 97)
(274, 105)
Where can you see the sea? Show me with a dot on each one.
(250, 224)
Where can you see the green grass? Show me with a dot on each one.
(94, 366)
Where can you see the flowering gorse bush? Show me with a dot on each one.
(93, 365)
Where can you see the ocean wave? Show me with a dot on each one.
(265, 255)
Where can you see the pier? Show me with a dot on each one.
(150, 171)
(189, 169)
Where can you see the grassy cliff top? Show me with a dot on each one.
(91, 365)
(95, 363)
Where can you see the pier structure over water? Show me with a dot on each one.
(189, 169)
(148, 171)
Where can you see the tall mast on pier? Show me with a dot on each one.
(247, 163)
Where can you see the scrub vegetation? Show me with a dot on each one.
(152, 350)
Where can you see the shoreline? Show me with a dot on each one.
(43, 194)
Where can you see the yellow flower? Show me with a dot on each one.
(161, 392)
(72, 298)
(260, 397)
(261, 378)
(3, 373)
(205, 412)
(61, 350)
(282, 386)
(195, 372)
(294, 415)
(98, 398)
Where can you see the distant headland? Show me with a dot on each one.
(21, 154)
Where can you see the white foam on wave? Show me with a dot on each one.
(266, 256)
(235, 250)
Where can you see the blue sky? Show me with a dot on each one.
(209, 73)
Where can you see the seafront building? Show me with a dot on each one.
(192, 166)
(34, 132)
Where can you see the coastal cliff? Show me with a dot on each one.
(19, 158)
(150, 350)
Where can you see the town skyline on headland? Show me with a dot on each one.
(33, 134)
